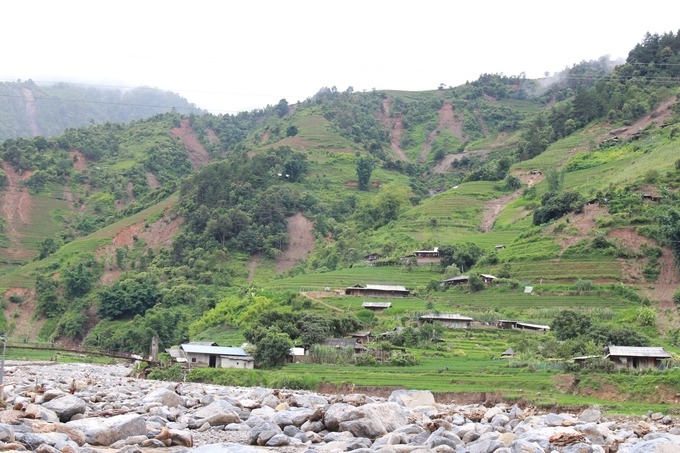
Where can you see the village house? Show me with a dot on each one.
(420, 254)
(636, 357)
(461, 279)
(342, 343)
(377, 291)
(371, 258)
(524, 326)
(361, 337)
(487, 278)
(448, 320)
(499, 247)
(508, 353)
(376, 306)
(209, 356)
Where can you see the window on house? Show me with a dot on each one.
(193, 359)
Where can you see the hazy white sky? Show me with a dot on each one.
(229, 56)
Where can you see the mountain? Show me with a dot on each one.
(28, 109)
(210, 227)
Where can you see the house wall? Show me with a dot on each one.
(635, 362)
(228, 362)
(201, 359)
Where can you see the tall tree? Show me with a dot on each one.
(365, 168)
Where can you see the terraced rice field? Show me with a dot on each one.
(519, 300)
(566, 270)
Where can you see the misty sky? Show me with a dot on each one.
(230, 56)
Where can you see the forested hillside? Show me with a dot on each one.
(209, 227)
(28, 109)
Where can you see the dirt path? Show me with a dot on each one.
(24, 323)
(254, 260)
(395, 128)
(445, 164)
(493, 208)
(30, 111)
(80, 164)
(16, 207)
(300, 243)
(447, 120)
(152, 181)
(197, 153)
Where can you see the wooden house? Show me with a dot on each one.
(460, 280)
(342, 343)
(487, 278)
(524, 326)
(199, 355)
(449, 320)
(371, 258)
(508, 353)
(377, 291)
(636, 357)
(500, 247)
(376, 306)
(361, 337)
(425, 254)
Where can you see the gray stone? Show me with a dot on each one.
(667, 420)
(591, 415)
(66, 407)
(658, 445)
(656, 416)
(42, 413)
(34, 440)
(44, 448)
(135, 440)
(290, 431)
(218, 407)
(370, 420)
(279, 440)
(6, 433)
(523, 446)
(262, 432)
(412, 398)
(578, 448)
(486, 446)
(225, 448)
(163, 396)
(358, 443)
(51, 394)
(152, 443)
(105, 431)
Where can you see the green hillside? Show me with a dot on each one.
(249, 227)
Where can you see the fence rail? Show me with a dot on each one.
(77, 350)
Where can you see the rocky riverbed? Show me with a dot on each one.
(83, 408)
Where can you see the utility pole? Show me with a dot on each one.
(2, 367)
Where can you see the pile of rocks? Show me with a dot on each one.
(109, 411)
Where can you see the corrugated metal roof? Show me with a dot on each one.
(488, 276)
(387, 287)
(460, 278)
(447, 316)
(377, 304)
(635, 351)
(217, 350)
(533, 326)
(359, 334)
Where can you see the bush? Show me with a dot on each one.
(365, 360)
(174, 374)
(475, 283)
(676, 297)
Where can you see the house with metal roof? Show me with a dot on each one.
(636, 357)
(342, 343)
(200, 355)
(449, 320)
(525, 326)
(459, 280)
(377, 291)
(427, 253)
(361, 337)
(376, 306)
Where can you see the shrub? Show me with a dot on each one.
(676, 297)
(174, 373)
(365, 360)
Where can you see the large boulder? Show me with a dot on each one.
(163, 396)
(412, 398)
(66, 407)
(370, 420)
(39, 412)
(217, 407)
(105, 431)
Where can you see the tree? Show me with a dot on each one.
(273, 349)
(296, 166)
(570, 324)
(365, 166)
(475, 283)
(555, 179)
(281, 109)
(291, 131)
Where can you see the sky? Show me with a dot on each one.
(230, 56)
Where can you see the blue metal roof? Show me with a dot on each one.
(216, 350)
